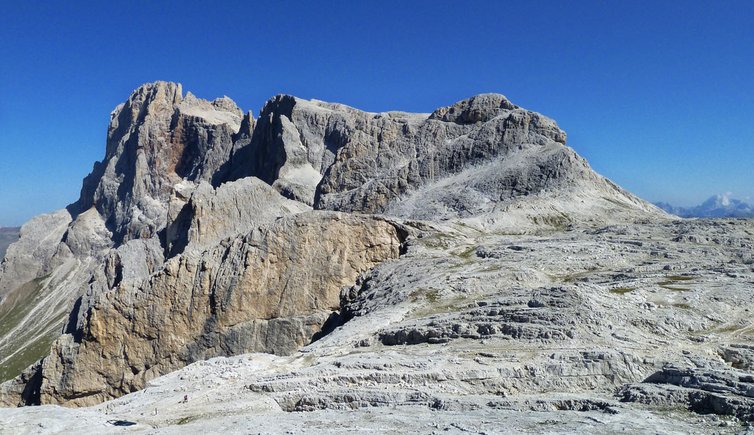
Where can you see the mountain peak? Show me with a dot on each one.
(479, 108)
(155, 139)
(163, 94)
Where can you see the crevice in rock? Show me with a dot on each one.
(71, 325)
(335, 320)
(31, 394)
(176, 234)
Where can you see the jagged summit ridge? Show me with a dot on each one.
(155, 139)
(336, 157)
(480, 108)
(159, 138)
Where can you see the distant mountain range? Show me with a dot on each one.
(7, 236)
(717, 206)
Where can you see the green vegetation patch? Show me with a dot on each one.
(622, 290)
(28, 356)
(577, 276)
(466, 257)
(18, 305)
(671, 283)
(437, 240)
(728, 328)
(558, 222)
(15, 308)
(466, 253)
(674, 288)
(186, 420)
(431, 295)
(464, 225)
(438, 305)
(676, 278)
(615, 202)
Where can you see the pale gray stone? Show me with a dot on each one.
(505, 282)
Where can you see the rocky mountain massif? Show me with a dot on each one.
(326, 269)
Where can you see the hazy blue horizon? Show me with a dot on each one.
(658, 97)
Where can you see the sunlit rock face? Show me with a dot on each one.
(270, 290)
(155, 140)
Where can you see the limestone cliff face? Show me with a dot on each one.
(270, 290)
(155, 140)
(195, 236)
(293, 144)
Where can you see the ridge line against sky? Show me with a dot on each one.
(658, 96)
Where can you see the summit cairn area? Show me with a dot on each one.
(323, 268)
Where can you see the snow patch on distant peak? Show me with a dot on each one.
(725, 199)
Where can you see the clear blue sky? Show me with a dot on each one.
(659, 96)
